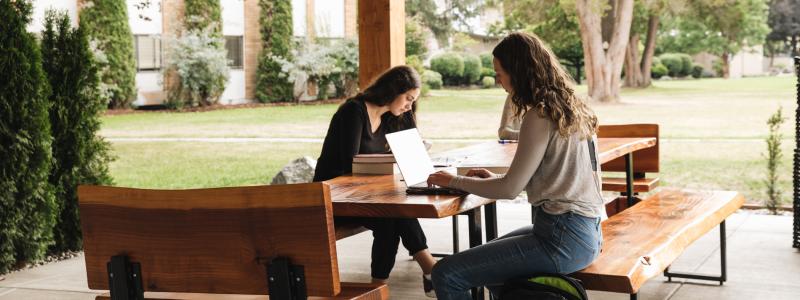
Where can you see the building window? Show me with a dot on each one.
(234, 45)
(148, 52)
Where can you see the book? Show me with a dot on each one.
(376, 168)
(374, 158)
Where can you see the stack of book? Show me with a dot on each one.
(383, 164)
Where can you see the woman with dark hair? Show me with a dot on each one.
(555, 164)
(360, 126)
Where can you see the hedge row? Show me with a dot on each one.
(463, 69)
(48, 135)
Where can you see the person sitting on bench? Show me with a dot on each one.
(360, 127)
(555, 164)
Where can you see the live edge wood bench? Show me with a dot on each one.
(641, 242)
(200, 244)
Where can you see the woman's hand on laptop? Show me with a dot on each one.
(441, 178)
(480, 173)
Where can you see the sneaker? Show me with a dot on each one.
(427, 285)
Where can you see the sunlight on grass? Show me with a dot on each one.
(713, 132)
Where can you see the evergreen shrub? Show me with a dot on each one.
(433, 79)
(272, 85)
(472, 69)
(450, 66)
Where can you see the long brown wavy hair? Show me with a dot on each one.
(539, 82)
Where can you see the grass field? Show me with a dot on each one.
(713, 132)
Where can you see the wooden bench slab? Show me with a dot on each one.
(640, 185)
(641, 241)
(211, 240)
(345, 231)
(349, 291)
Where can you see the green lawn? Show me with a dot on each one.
(713, 132)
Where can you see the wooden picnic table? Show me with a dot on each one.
(385, 195)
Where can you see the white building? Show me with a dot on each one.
(327, 18)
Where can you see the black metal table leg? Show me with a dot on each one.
(491, 221)
(455, 240)
(723, 255)
(475, 239)
(629, 178)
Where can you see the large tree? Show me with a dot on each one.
(604, 64)
(646, 20)
(551, 22)
(441, 20)
(784, 21)
(720, 27)
(80, 155)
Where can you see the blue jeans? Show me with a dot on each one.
(563, 244)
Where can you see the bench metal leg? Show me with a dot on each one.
(723, 254)
(634, 296)
(491, 221)
(629, 178)
(475, 239)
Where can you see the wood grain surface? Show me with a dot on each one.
(641, 241)
(211, 240)
(645, 160)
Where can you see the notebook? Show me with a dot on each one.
(414, 162)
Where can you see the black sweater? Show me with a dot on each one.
(350, 133)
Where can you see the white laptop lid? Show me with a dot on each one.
(412, 158)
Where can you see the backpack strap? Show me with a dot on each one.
(592, 154)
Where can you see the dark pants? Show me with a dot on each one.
(388, 232)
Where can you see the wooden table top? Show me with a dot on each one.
(385, 195)
(493, 154)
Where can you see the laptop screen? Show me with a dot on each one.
(411, 156)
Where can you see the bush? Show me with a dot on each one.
(201, 63)
(487, 82)
(487, 72)
(276, 34)
(673, 63)
(416, 38)
(415, 63)
(80, 155)
(472, 69)
(27, 205)
(656, 61)
(345, 78)
(486, 61)
(106, 23)
(432, 79)
(450, 66)
(424, 89)
(686, 65)
(202, 14)
(774, 155)
(658, 71)
(697, 71)
(316, 63)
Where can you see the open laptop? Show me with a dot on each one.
(414, 163)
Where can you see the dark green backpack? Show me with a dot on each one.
(543, 286)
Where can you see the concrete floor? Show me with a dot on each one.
(761, 264)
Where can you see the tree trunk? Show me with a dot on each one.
(794, 46)
(633, 71)
(649, 50)
(726, 65)
(604, 68)
(637, 71)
